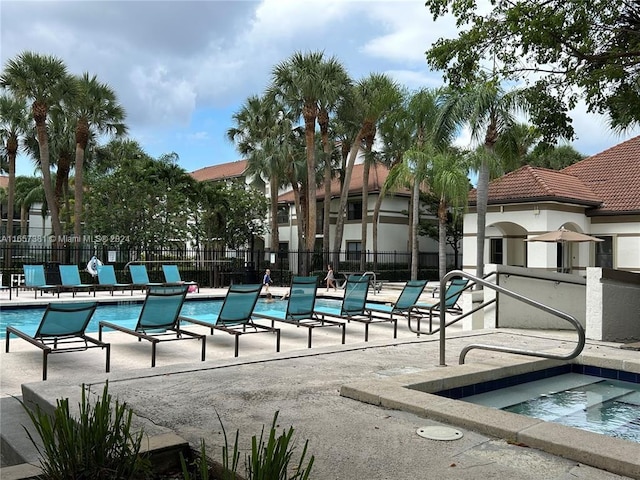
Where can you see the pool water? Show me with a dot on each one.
(127, 313)
(601, 405)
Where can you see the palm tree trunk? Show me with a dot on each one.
(442, 239)
(310, 123)
(482, 200)
(365, 214)
(344, 196)
(414, 230)
(326, 224)
(374, 227)
(12, 149)
(45, 167)
(275, 234)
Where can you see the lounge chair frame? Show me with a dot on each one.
(356, 289)
(304, 315)
(163, 331)
(70, 280)
(389, 313)
(140, 278)
(452, 295)
(34, 279)
(172, 276)
(55, 340)
(108, 274)
(234, 323)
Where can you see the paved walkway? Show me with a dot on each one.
(350, 439)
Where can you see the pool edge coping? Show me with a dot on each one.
(597, 450)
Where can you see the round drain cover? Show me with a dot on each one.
(439, 433)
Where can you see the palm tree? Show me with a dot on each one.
(297, 82)
(97, 111)
(43, 80)
(29, 190)
(262, 134)
(14, 123)
(431, 133)
(372, 98)
(489, 112)
(447, 173)
(336, 85)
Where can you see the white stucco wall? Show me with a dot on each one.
(613, 305)
(536, 219)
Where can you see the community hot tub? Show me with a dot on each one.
(418, 393)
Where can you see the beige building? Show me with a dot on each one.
(599, 196)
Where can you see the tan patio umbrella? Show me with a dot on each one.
(562, 235)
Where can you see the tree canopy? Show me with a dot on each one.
(563, 50)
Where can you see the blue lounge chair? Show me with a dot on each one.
(140, 277)
(452, 295)
(159, 320)
(300, 308)
(62, 330)
(107, 279)
(70, 279)
(34, 279)
(409, 296)
(235, 315)
(172, 276)
(353, 303)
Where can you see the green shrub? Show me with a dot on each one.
(98, 444)
(269, 460)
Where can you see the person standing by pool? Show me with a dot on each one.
(266, 280)
(330, 278)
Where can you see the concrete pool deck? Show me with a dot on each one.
(350, 401)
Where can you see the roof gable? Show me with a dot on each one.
(528, 184)
(614, 175)
(608, 181)
(378, 174)
(223, 171)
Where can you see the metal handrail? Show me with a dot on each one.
(495, 348)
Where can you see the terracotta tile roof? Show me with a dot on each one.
(377, 176)
(533, 184)
(608, 181)
(220, 172)
(614, 175)
(4, 181)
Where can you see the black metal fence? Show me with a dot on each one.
(214, 267)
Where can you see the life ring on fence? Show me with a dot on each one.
(93, 265)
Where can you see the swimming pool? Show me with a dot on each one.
(420, 392)
(126, 313)
(600, 405)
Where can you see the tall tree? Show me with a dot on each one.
(14, 123)
(488, 111)
(372, 98)
(262, 133)
(29, 191)
(97, 111)
(44, 81)
(336, 84)
(297, 82)
(564, 49)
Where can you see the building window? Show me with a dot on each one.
(354, 210)
(604, 252)
(496, 252)
(283, 215)
(353, 250)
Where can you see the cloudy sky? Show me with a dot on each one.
(182, 68)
